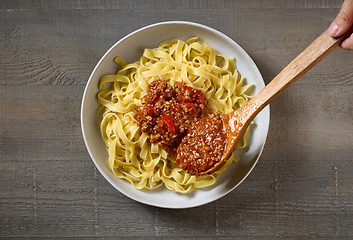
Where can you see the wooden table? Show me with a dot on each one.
(301, 187)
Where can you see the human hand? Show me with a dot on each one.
(342, 23)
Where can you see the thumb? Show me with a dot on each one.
(343, 21)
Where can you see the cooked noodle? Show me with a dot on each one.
(131, 156)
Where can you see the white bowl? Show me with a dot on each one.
(130, 48)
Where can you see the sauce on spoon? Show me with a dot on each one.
(204, 144)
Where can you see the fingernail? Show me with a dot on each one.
(333, 29)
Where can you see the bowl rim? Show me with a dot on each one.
(188, 23)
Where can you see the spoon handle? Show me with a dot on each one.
(313, 54)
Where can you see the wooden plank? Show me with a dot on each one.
(67, 44)
(169, 4)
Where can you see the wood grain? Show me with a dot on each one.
(302, 186)
(169, 4)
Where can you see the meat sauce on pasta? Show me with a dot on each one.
(141, 124)
(169, 111)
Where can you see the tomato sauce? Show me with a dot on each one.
(203, 146)
(169, 111)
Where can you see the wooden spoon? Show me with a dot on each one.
(200, 160)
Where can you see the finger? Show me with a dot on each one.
(347, 43)
(343, 21)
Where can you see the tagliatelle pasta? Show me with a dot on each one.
(131, 156)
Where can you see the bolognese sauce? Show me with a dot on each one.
(203, 146)
(169, 111)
